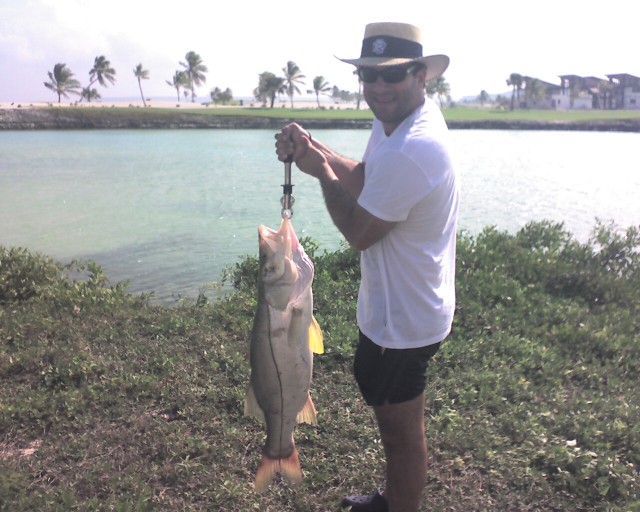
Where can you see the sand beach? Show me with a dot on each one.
(183, 105)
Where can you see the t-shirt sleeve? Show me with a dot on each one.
(392, 186)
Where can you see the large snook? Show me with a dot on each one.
(283, 340)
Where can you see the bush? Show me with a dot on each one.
(533, 400)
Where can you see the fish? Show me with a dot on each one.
(284, 337)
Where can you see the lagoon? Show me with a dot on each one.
(168, 210)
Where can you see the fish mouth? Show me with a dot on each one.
(284, 237)
(263, 234)
(265, 230)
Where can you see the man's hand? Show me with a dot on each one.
(294, 142)
(359, 227)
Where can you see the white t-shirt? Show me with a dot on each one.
(407, 292)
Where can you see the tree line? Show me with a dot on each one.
(534, 89)
(62, 81)
(192, 74)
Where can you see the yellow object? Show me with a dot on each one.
(315, 337)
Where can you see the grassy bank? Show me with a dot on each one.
(110, 403)
(479, 114)
(451, 114)
(234, 118)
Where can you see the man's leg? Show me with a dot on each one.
(403, 438)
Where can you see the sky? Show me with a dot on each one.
(487, 40)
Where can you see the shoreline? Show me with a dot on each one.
(186, 115)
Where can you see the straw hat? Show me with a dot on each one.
(391, 44)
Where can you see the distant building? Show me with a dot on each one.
(539, 94)
(580, 92)
(626, 91)
(621, 91)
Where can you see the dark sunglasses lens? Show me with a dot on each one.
(368, 75)
(390, 75)
(394, 75)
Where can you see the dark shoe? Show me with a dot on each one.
(373, 503)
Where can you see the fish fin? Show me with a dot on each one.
(315, 337)
(290, 467)
(269, 468)
(251, 407)
(308, 413)
(267, 471)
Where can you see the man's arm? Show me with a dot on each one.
(359, 227)
(341, 179)
(349, 172)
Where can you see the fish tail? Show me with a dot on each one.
(290, 467)
(269, 468)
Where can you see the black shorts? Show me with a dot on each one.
(391, 376)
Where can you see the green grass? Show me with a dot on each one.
(480, 114)
(452, 114)
(110, 403)
(288, 113)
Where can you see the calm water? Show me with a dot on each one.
(169, 210)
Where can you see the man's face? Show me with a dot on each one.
(392, 101)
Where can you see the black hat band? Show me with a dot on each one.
(389, 46)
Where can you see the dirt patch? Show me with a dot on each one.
(9, 451)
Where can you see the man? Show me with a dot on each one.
(399, 207)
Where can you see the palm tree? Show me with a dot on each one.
(443, 89)
(195, 70)
(535, 90)
(101, 72)
(269, 85)
(606, 93)
(61, 81)
(89, 94)
(515, 80)
(141, 74)
(222, 97)
(438, 87)
(292, 76)
(359, 95)
(179, 80)
(320, 86)
(335, 93)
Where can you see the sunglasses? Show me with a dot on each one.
(391, 75)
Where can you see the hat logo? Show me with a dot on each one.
(378, 46)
